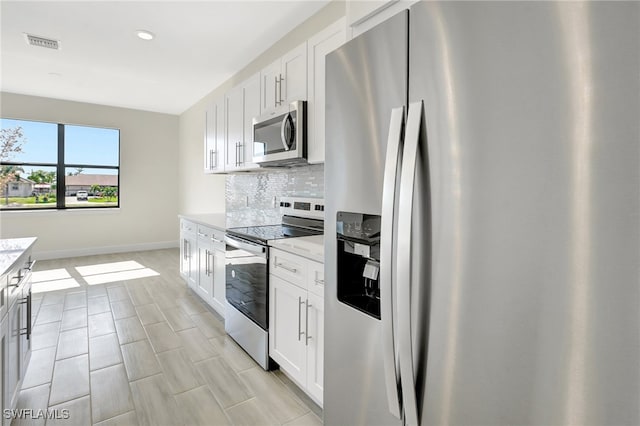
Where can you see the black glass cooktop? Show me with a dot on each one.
(265, 233)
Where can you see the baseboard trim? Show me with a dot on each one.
(90, 251)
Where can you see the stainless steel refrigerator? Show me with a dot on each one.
(482, 234)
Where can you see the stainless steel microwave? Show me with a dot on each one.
(280, 137)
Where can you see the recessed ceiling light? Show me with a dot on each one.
(145, 35)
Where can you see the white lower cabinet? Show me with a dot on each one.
(296, 319)
(4, 363)
(15, 328)
(188, 261)
(202, 262)
(286, 332)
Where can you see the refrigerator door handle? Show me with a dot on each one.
(387, 260)
(403, 270)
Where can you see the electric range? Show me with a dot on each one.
(247, 272)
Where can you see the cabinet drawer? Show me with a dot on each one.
(315, 278)
(217, 238)
(288, 267)
(204, 232)
(186, 226)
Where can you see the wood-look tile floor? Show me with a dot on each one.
(127, 343)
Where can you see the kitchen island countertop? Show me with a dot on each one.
(11, 249)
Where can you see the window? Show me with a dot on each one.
(46, 165)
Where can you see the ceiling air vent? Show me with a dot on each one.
(42, 42)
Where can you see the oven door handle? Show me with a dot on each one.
(250, 247)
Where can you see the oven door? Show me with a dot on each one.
(246, 278)
(280, 137)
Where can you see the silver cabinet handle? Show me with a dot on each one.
(275, 91)
(236, 155)
(206, 263)
(17, 284)
(319, 282)
(403, 270)
(212, 153)
(280, 96)
(387, 282)
(300, 332)
(288, 268)
(215, 240)
(306, 323)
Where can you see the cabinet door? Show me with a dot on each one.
(25, 327)
(251, 109)
(315, 346)
(294, 75)
(183, 256)
(4, 366)
(13, 355)
(219, 278)
(204, 283)
(209, 137)
(269, 86)
(286, 327)
(319, 46)
(191, 263)
(214, 137)
(234, 127)
(220, 141)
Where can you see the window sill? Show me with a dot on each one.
(51, 212)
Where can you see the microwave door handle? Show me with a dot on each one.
(283, 135)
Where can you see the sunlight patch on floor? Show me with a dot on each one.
(51, 280)
(117, 271)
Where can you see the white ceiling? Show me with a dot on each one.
(198, 46)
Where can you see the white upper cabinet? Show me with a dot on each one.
(214, 143)
(234, 106)
(269, 83)
(242, 104)
(294, 75)
(251, 109)
(319, 46)
(285, 80)
(364, 15)
(299, 75)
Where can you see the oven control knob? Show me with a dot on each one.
(285, 204)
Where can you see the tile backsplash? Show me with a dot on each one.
(254, 198)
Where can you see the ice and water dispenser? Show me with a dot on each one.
(358, 237)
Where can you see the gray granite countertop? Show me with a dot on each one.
(11, 249)
(214, 220)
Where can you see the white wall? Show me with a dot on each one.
(200, 193)
(147, 217)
